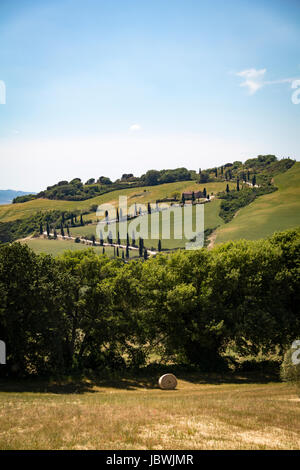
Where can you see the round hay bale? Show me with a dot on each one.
(167, 382)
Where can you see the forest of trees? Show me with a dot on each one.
(83, 311)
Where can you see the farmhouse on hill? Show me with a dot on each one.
(188, 195)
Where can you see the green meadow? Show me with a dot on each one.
(269, 213)
(211, 221)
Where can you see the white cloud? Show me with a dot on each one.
(252, 86)
(254, 80)
(135, 127)
(252, 73)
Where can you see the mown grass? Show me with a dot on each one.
(204, 412)
(269, 213)
(57, 247)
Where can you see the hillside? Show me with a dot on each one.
(269, 213)
(250, 200)
(141, 195)
(259, 170)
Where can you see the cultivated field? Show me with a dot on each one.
(269, 213)
(200, 414)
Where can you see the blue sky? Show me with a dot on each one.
(104, 88)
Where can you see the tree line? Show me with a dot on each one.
(83, 311)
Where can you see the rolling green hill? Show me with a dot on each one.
(269, 213)
(276, 211)
(141, 195)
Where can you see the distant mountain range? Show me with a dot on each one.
(7, 195)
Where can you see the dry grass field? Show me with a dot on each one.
(206, 413)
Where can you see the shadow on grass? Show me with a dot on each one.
(73, 385)
(146, 378)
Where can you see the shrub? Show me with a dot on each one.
(290, 370)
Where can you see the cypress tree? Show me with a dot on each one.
(159, 245)
(145, 254)
(149, 208)
(127, 239)
(48, 229)
(55, 234)
(123, 256)
(103, 250)
(193, 197)
(127, 251)
(101, 238)
(62, 230)
(254, 180)
(41, 229)
(118, 218)
(118, 240)
(141, 246)
(238, 184)
(227, 188)
(204, 192)
(81, 220)
(118, 251)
